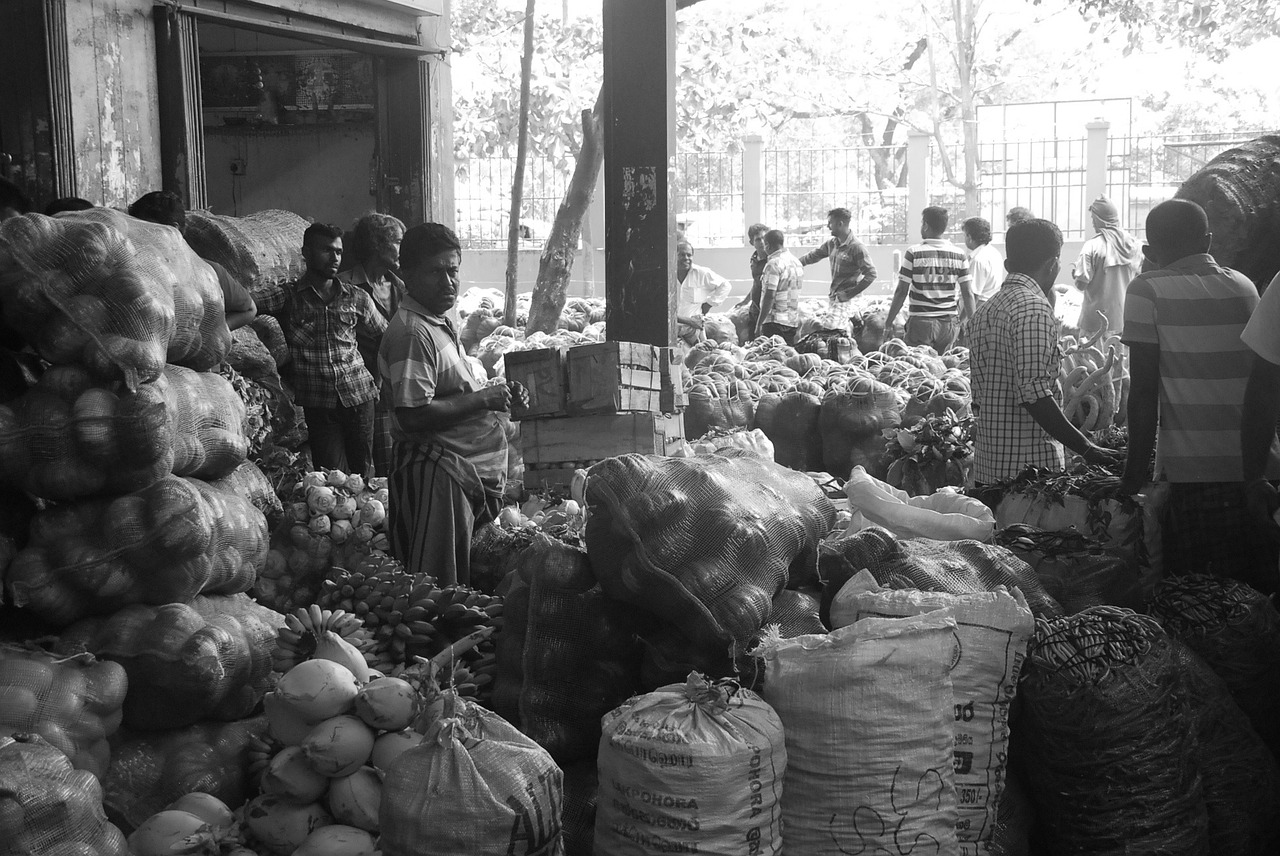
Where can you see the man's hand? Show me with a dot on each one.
(519, 394)
(1263, 501)
(1095, 454)
(496, 397)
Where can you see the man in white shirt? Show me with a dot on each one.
(701, 289)
(986, 265)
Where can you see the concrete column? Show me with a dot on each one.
(1095, 160)
(918, 144)
(593, 243)
(752, 181)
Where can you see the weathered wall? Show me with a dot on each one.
(115, 114)
(319, 172)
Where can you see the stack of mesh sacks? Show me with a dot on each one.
(121, 438)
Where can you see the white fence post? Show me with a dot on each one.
(918, 144)
(593, 240)
(752, 180)
(1095, 161)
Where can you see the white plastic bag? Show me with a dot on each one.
(867, 712)
(993, 629)
(691, 768)
(945, 515)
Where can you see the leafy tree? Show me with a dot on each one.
(1213, 27)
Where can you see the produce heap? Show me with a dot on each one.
(799, 633)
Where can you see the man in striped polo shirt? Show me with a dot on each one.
(1188, 373)
(935, 278)
(449, 426)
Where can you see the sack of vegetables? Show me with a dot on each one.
(209, 659)
(704, 542)
(854, 416)
(49, 808)
(163, 544)
(71, 436)
(100, 289)
(474, 785)
(72, 702)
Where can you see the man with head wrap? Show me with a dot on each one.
(449, 427)
(1108, 263)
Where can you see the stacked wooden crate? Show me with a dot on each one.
(591, 402)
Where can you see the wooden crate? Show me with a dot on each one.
(542, 372)
(621, 377)
(553, 445)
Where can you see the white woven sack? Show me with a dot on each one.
(994, 629)
(691, 768)
(867, 714)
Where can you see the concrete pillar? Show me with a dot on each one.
(639, 161)
(918, 144)
(752, 181)
(1095, 160)
(593, 244)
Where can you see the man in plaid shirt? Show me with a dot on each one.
(1013, 363)
(322, 318)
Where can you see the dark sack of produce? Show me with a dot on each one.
(474, 785)
(508, 647)
(581, 786)
(1241, 780)
(1236, 630)
(955, 567)
(149, 770)
(581, 655)
(791, 421)
(258, 249)
(703, 542)
(1076, 570)
(164, 544)
(209, 659)
(1108, 731)
(46, 807)
(852, 421)
(118, 295)
(796, 613)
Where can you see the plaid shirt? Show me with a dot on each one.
(850, 264)
(1013, 360)
(783, 276)
(327, 369)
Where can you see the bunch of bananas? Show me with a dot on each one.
(410, 617)
(303, 632)
(260, 749)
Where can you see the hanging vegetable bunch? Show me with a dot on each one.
(1095, 384)
(331, 519)
(930, 452)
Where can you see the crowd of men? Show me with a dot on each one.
(387, 387)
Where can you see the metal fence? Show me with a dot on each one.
(802, 184)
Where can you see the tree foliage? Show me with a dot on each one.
(1213, 27)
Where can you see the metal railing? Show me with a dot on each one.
(1048, 176)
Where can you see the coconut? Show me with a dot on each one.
(168, 833)
(389, 747)
(207, 807)
(281, 826)
(337, 840)
(354, 799)
(283, 722)
(319, 689)
(388, 704)
(290, 776)
(339, 746)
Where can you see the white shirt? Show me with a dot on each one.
(702, 285)
(986, 268)
(1262, 333)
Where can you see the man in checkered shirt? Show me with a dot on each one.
(1013, 362)
(322, 318)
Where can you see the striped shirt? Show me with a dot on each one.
(1194, 311)
(934, 271)
(1013, 361)
(326, 367)
(783, 276)
(421, 359)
